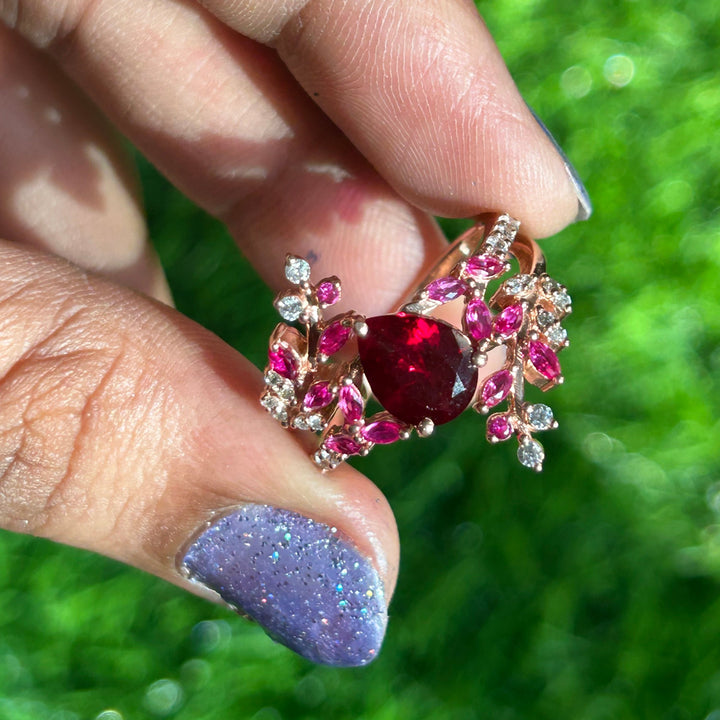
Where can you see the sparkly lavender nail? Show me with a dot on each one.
(310, 589)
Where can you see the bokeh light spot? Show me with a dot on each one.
(619, 70)
(163, 697)
(576, 81)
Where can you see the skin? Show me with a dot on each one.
(351, 122)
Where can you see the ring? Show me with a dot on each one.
(421, 365)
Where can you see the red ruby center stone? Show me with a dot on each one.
(418, 367)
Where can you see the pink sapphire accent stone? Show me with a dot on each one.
(283, 362)
(333, 337)
(499, 427)
(418, 367)
(445, 289)
(343, 445)
(351, 403)
(319, 395)
(544, 359)
(382, 432)
(328, 293)
(478, 319)
(508, 322)
(484, 266)
(496, 388)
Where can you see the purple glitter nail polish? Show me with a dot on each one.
(310, 589)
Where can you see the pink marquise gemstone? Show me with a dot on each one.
(343, 445)
(508, 322)
(328, 292)
(478, 319)
(496, 388)
(283, 362)
(382, 432)
(333, 337)
(445, 289)
(418, 367)
(351, 403)
(319, 395)
(499, 427)
(544, 359)
(484, 266)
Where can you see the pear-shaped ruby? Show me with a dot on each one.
(418, 367)
(544, 359)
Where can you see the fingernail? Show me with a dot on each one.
(584, 203)
(308, 587)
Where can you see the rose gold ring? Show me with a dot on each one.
(421, 365)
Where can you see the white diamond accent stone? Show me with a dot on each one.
(275, 407)
(540, 416)
(549, 286)
(545, 318)
(290, 307)
(531, 454)
(519, 285)
(557, 335)
(282, 386)
(315, 422)
(497, 243)
(561, 300)
(300, 423)
(297, 270)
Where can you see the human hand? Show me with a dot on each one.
(124, 426)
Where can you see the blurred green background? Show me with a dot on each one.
(589, 592)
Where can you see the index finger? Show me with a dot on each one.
(420, 88)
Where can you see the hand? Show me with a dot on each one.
(324, 127)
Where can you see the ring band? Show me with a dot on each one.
(422, 363)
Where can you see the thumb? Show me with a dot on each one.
(127, 429)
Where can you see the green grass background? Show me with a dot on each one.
(590, 592)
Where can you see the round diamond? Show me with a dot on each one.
(561, 300)
(300, 423)
(315, 422)
(297, 270)
(282, 386)
(519, 285)
(540, 416)
(531, 454)
(290, 307)
(275, 407)
(557, 335)
(545, 318)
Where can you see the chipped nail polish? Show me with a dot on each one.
(584, 203)
(307, 586)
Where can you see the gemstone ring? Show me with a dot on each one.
(421, 366)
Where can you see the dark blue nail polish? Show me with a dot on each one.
(584, 203)
(309, 588)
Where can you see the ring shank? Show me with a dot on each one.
(525, 250)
